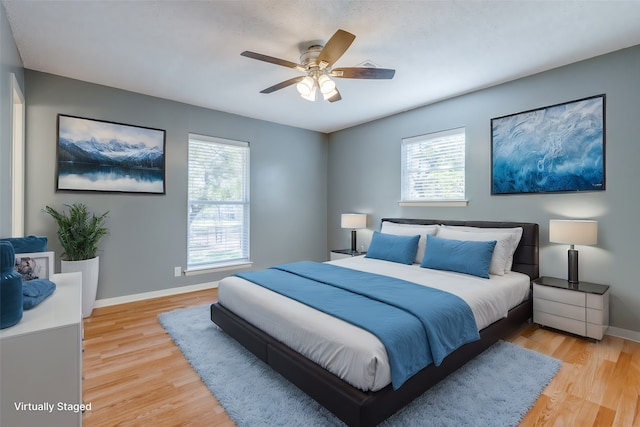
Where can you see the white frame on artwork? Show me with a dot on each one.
(43, 261)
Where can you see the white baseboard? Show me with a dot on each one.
(154, 294)
(623, 333)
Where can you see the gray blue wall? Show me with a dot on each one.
(148, 232)
(10, 62)
(364, 171)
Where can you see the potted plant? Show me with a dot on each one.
(79, 232)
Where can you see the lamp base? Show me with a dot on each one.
(353, 241)
(572, 258)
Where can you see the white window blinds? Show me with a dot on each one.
(433, 167)
(218, 206)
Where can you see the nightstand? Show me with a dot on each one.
(581, 308)
(343, 253)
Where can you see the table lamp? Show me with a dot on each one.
(353, 221)
(573, 232)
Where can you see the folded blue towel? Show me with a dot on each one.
(35, 291)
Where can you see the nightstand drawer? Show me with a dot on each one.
(597, 301)
(559, 295)
(559, 309)
(596, 316)
(596, 331)
(336, 254)
(564, 324)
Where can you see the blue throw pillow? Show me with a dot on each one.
(28, 244)
(461, 256)
(390, 247)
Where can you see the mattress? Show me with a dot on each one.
(351, 353)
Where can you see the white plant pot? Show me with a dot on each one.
(89, 269)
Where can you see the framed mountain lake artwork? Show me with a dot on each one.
(96, 155)
(560, 148)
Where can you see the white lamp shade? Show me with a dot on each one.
(311, 96)
(573, 232)
(306, 86)
(354, 221)
(326, 84)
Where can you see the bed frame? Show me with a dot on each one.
(356, 407)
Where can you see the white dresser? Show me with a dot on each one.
(581, 308)
(41, 361)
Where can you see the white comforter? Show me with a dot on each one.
(351, 353)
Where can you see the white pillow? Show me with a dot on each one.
(516, 235)
(411, 230)
(501, 251)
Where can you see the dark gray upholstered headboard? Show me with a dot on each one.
(525, 259)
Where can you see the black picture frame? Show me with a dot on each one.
(559, 148)
(104, 156)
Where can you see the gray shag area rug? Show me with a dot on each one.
(497, 388)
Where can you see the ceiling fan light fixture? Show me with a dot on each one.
(311, 96)
(326, 85)
(328, 96)
(317, 63)
(306, 87)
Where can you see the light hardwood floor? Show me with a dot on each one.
(135, 376)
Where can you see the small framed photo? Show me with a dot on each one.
(36, 265)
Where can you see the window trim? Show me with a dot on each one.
(453, 203)
(214, 269)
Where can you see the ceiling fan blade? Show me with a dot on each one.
(335, 48)
(363, 73)
(282, 85)
(271, 59)
(335, 97)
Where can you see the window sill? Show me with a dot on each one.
(437, 203)
(215, 269)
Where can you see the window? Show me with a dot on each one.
(218, 210)
(433, 167)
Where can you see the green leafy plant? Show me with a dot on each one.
(79, 231)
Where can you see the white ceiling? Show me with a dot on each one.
(189, 51)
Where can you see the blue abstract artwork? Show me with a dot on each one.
(95, 155)
(553, 149)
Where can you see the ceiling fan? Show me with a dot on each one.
(316, 63)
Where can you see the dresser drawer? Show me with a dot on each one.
(559, 309)
(559, 295)
(563, 323)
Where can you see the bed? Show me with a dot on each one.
(245, 314)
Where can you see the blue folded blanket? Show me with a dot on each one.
(35, 291)
(418, 325)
